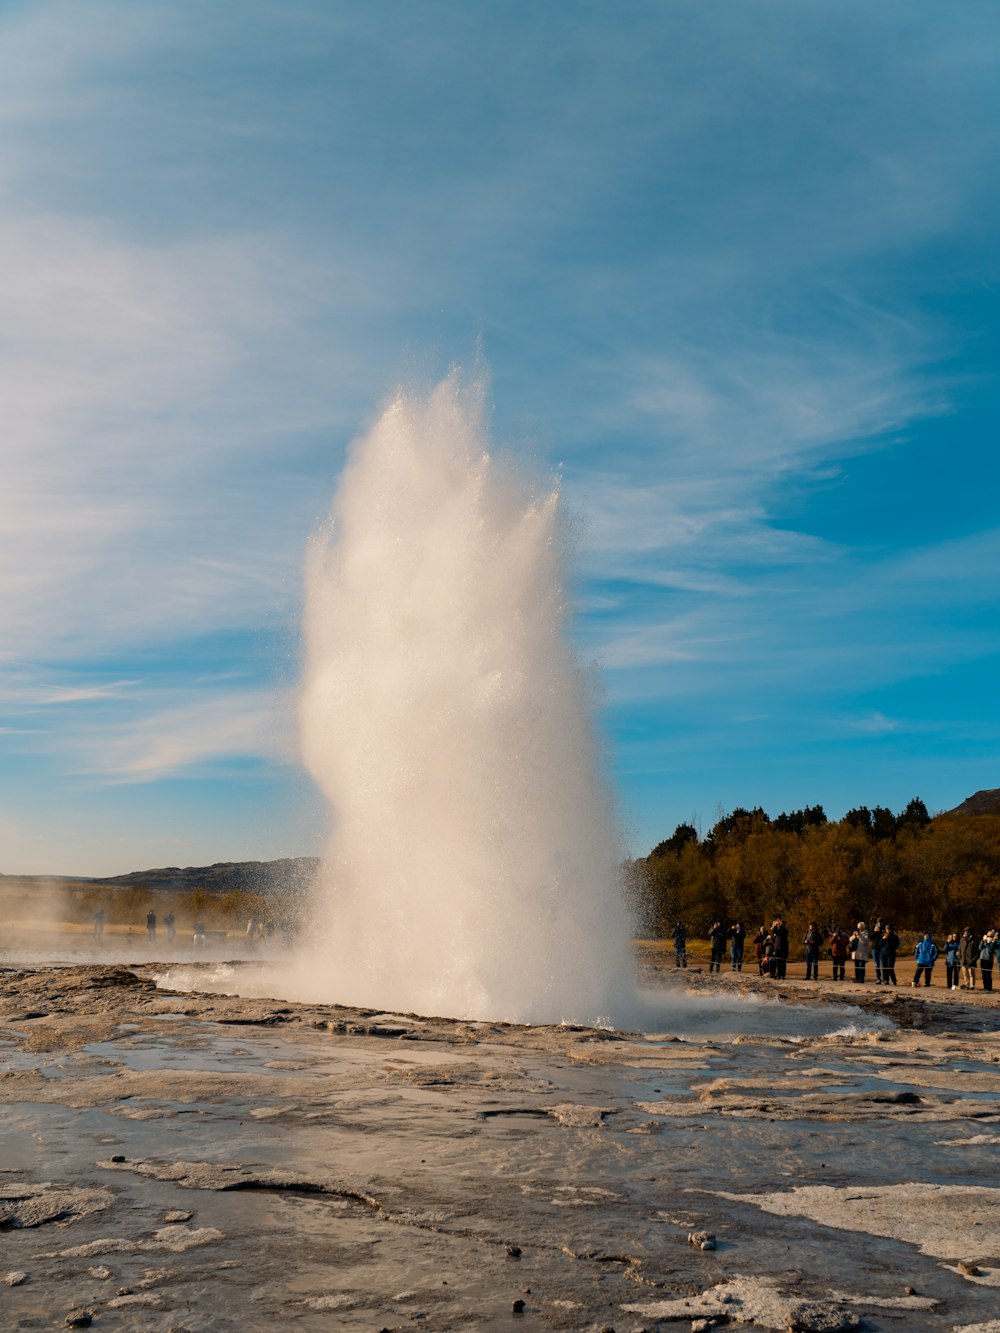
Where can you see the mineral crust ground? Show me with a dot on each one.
(181, 1160)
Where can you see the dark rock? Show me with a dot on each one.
(514, 1251)
(704, 1240)
(518, 1306)
(79, 1319)
(118, 1157)
(969, 1269)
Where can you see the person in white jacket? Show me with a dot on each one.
(861, 950)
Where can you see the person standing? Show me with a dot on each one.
(861, 947)
(171, 924)
(759, 940)
(926, 956)
(98, 923)
(968, 957)
(680, 944)
(770, 957)
(838, 952)
(987, 954)
(951, 965)
(890, 947)
(151, 925)
(737, 939)
(780, 932)
(717, 939)
(811, 940)
(876, 939)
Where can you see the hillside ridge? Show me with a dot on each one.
(985, 802)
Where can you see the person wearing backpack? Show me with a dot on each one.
(968, 956)
(926, 956)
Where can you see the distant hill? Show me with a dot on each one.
(290, 873)
(982, 803)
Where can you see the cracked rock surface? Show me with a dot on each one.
(336, 1168)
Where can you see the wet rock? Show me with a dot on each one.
(517, 1306)
(574, 1116)
(14, 1278)
(124, 1291)
(117, 1158)
(173, 1240)
(514, 1251)
(750, 1300)
(702, 1240)
(177, 1215)
(969, 1269)
(79, 1319)
(702, 1325)
(943, 1221)
(140, 1300)
(26, 1205)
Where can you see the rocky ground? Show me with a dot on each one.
(181, 1160)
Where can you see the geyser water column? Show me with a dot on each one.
(473, 868)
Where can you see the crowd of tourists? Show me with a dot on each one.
(964, 955)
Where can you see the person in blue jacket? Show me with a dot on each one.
(987, 953)
(951, 961)
(926, 955)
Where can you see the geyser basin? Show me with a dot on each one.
(669, 1013)
(473, 867)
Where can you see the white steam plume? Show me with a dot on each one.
(473, 868)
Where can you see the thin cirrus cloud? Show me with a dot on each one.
(191, 737)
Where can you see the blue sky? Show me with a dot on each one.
(732, 266)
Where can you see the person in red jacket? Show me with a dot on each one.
(838, 952)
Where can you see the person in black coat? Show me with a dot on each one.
(717, 939)
(737, 939)
(811, 940)
(780, 932)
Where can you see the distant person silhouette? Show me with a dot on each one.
(680, 944)
(99, 923)
(151, 925)
(170, 924)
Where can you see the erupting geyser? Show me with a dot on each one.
(473, 867)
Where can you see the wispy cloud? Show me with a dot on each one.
(58, 694)
(876, 724)
(195, 736)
